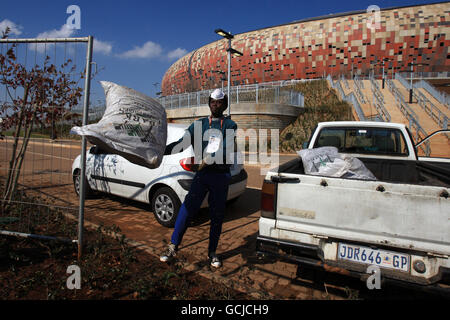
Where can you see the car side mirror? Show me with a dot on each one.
(305, 145)
(94, 150)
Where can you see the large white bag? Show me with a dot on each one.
(327, 161)
(133, 126)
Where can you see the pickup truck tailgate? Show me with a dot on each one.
(369, 211)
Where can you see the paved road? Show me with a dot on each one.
(47, 171)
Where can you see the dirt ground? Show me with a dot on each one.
(33, 269)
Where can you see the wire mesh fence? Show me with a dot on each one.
(41, 82)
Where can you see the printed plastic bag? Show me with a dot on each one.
(133, 126)
(356, 169)
(327, 161)
(315, 159)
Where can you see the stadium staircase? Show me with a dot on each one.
(425, 115)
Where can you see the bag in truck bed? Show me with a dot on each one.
(327, 161)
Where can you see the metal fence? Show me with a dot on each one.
(412, 118)
(351, 98)
(44, 204)
(272, 92)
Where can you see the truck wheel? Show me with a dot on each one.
(165, 206)
(77, 184)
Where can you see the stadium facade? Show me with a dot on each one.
(343, 44)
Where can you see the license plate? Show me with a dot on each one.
(369, 256)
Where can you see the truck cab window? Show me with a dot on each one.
(363, 141)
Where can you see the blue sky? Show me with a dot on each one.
(137, 41)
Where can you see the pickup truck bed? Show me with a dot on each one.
(316, 215)
(394, 171)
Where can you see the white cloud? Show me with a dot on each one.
(147, 51)
(102, 47)
(15, 29)
(176, 54)
(151, 50)
(64, 32)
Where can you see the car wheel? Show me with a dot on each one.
(165, 206)
(77, 184)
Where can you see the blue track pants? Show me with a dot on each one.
(216, 183)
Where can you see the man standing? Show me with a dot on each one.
(213, 176)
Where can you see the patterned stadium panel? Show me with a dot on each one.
(311, 49)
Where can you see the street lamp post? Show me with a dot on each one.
(384, 77)
(231, 51)
(222, 78)
(156, 86)
(411, 78)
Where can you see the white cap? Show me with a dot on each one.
(217, 94)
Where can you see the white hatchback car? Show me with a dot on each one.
(164, 188)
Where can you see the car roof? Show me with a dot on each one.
(175, 131)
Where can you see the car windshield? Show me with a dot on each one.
(363, 140)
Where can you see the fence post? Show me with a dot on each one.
(257, 93)
(87, 92)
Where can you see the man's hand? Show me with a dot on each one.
(206, 161)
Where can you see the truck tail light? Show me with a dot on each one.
(268, 197)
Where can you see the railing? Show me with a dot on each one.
(439, 96)
(434, 112)
(357, 79)
(358, 86)
(421, 75)
(272, 92)
(349, 98)
(403, 81)
(344, 79)
(379, 101)
(410, 115)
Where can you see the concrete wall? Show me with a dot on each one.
(246, 115)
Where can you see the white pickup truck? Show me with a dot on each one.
(399, 222)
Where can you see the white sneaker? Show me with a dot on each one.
(169, 253)
(215, 261)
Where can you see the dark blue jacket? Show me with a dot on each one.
(207, 123)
